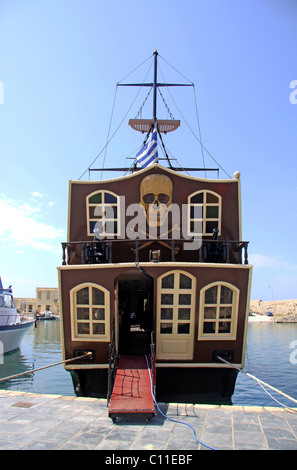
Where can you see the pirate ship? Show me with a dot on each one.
(155, 274)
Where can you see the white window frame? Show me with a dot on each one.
(103, 219)
(204, 206)
(234, 313)
(75, 336)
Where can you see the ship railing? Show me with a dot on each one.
(6, 320)
(112, 366)
(221, 251)
(210, 251)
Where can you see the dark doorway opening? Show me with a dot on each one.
(135, 314)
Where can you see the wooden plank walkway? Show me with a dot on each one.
(131, 393)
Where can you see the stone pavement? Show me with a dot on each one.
(53, 422)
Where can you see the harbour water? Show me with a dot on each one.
(41, 346)
(268, 357)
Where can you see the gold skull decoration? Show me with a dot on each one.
(156, 198)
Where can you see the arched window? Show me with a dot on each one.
(218, 311)
(204, 213)
(103, 214)
(90, 313)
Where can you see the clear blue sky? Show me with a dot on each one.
(59, 64)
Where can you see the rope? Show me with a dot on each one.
(189, 127)
(262, 384)
(139, 114)
(170, 419)
(109, 139)
(166, 105)
(198, 140)
(44, 367)
(108, 134)
(199, 130)
(136, 68)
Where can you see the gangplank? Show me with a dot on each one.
(131, 395)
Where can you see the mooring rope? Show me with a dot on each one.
(44, 367)
(263, 384)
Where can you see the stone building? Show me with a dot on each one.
(279, 307)
(47, 298)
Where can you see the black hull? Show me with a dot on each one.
(203, 385)
(173, 385)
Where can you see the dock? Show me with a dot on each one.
(53, 422)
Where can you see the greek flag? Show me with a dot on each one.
(149, 153)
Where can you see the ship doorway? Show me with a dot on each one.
(134, 314)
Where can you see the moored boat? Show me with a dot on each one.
(47, 315)
(155, 266)
(13, 326)
(269, 312)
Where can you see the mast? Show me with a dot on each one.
(164, 125)
(147, 125)
(155, 86)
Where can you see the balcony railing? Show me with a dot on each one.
(210, 251)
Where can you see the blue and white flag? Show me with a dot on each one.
(149, 153)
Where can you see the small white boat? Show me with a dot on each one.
(12, 325)
(47, 315)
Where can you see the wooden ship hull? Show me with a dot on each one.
(171, 286)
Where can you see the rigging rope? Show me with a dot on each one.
(197, 138)
(114, 100)
(166, 105)
(199, 130)
(139, 114)
(109, 139)
(136, 68)
(44, 367)
(203, 148)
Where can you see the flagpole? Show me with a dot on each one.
(155, 87)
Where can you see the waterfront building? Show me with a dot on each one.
(47, 298)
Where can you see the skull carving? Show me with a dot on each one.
(156, 198)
